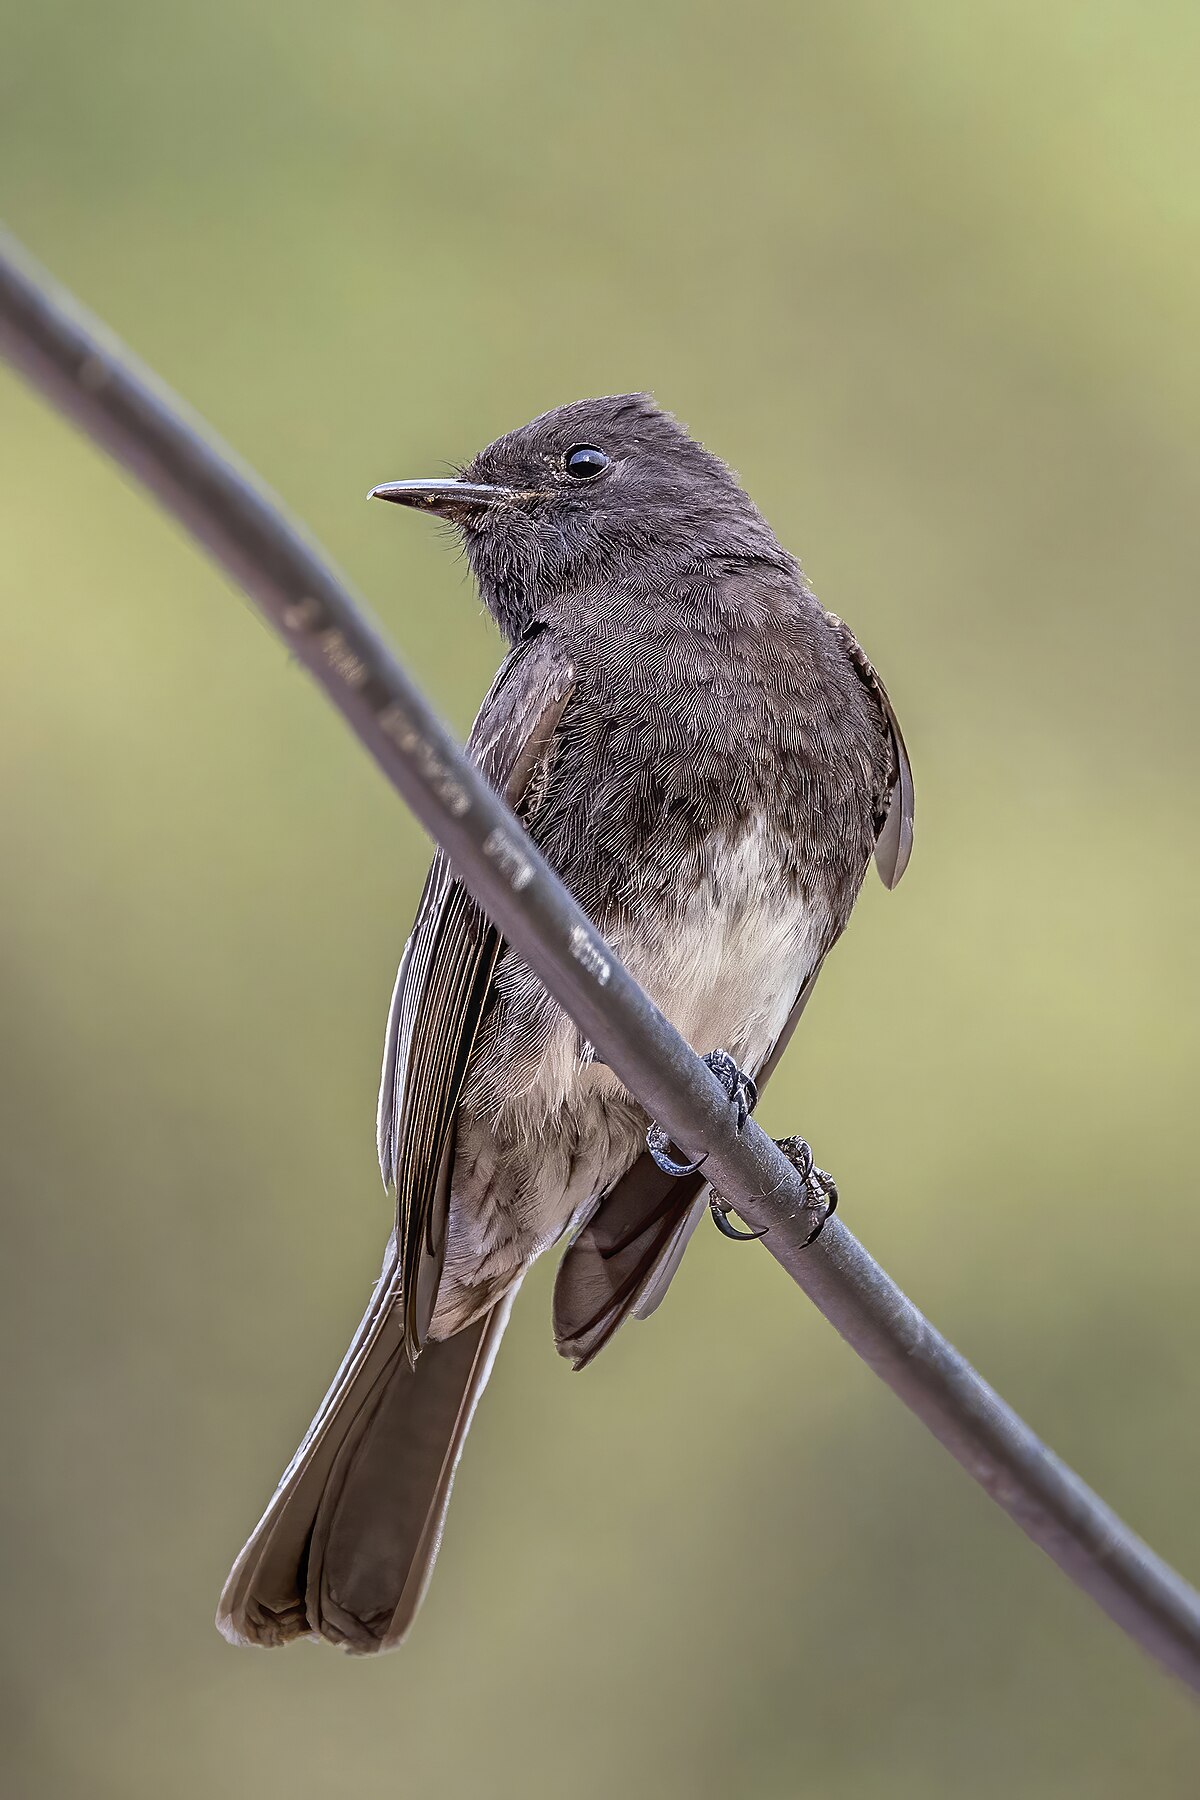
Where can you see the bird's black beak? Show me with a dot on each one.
(445, 495)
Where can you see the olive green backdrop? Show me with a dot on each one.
(928, 275)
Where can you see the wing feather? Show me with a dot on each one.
(893, 845)
(445, 980)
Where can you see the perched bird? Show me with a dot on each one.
(709, 761)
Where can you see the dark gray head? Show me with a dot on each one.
(592, 495)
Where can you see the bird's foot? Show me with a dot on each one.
(820, 1185)
(821, 1194)
(743, 1095)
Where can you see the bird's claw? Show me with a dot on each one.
(659, 1145)
(740, 1087)
(719, 1211)
(743, 1095)
(822, 1188)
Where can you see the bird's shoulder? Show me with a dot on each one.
(521, 711)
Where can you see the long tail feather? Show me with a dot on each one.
(346, 1547)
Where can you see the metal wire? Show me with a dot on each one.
(90, 378)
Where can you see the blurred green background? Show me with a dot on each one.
(928, 275)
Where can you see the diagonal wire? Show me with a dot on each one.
(82, 371)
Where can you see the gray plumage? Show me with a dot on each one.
(709, 761)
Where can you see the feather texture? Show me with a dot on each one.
(445, 982)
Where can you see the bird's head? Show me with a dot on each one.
(596, 494)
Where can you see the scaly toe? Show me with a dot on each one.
(659, 1146)
(822, 1185)
(740, 1087)
(799, 1154)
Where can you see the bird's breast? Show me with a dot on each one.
(726, 958)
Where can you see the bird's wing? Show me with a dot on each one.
(445, 979)
(893, 846)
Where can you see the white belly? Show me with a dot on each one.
(728, 969)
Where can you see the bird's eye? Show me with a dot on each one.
(584, 461)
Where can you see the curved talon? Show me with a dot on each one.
(830, 1194)
(657, 1143)
(720, 1218)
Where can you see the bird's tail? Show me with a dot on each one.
(346, 1547)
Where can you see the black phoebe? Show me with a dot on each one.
(709, 761)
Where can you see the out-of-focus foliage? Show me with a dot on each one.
(929, 276)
